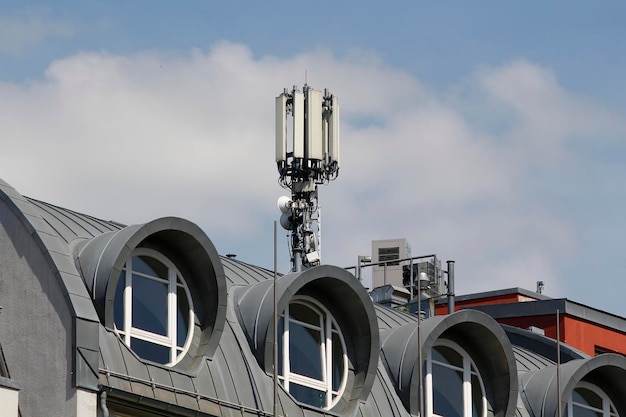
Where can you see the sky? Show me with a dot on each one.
(490, 133)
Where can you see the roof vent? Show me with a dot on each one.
(536, 330)
(540, 286)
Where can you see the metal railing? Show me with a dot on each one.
(363, 262)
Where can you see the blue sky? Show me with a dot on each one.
(492, 133)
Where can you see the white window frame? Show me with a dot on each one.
(327, 328)
(608, 409)
(174, 281)
(469, 369)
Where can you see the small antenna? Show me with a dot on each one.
(306, 78)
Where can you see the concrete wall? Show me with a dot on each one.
(35, 324)
(9, 394)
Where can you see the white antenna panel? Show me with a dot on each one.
(314, 125)
(281, 128)
(298, 124)
(333, 132)
(325, 136)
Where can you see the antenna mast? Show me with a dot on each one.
(308, 159)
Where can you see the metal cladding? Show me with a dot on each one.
(606, 371)
(341, 293)
(101, 259)
(474, 331)
(228, 370)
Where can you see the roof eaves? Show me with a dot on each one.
(496, 293)
(550, 306)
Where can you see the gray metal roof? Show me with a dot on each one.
(541, 348)
(475, 332)
(54, 230)
(229, 382)
(69, 224)
(231, 379)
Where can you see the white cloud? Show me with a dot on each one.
(20, 32)
(135, 137)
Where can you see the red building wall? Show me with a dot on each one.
(590, 336)
(442, 309)
(581, 334)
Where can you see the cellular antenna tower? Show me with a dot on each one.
(310, 119)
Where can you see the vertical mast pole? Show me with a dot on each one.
(558, 363)
(275, 325)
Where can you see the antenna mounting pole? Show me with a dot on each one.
(308, 158)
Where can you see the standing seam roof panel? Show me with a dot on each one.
(80, 225)
(239, 273)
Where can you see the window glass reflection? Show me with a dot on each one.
(313, 368)
(304, 351)
(150, 351)
(159, 313)
(447, 355)
(477, 397)
(149, 266)
(304, 314)
(588, 400)
(447, 391)
(585, 412)
(150, 305)
(453, 384)
(280, 331)
(307, 395)
(182, 316)
(587, 397)
(118, 305)
(337, 362)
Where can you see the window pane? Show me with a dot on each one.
(477, 397)
(587, 397)
(150, 305)
(337, 362)
(118, 302)
(304, 351)
(169, 326)
(447, 391)
(280, 332)
(304, 314)
(149, 266)
(444, 354)
(308, 395)
(182, 317)
(307, 351)
(150, 351)
(585, 412)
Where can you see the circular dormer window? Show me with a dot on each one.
(326, 336)
(153, 311)
(453, 384)
(588, 400)
(314, 368)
